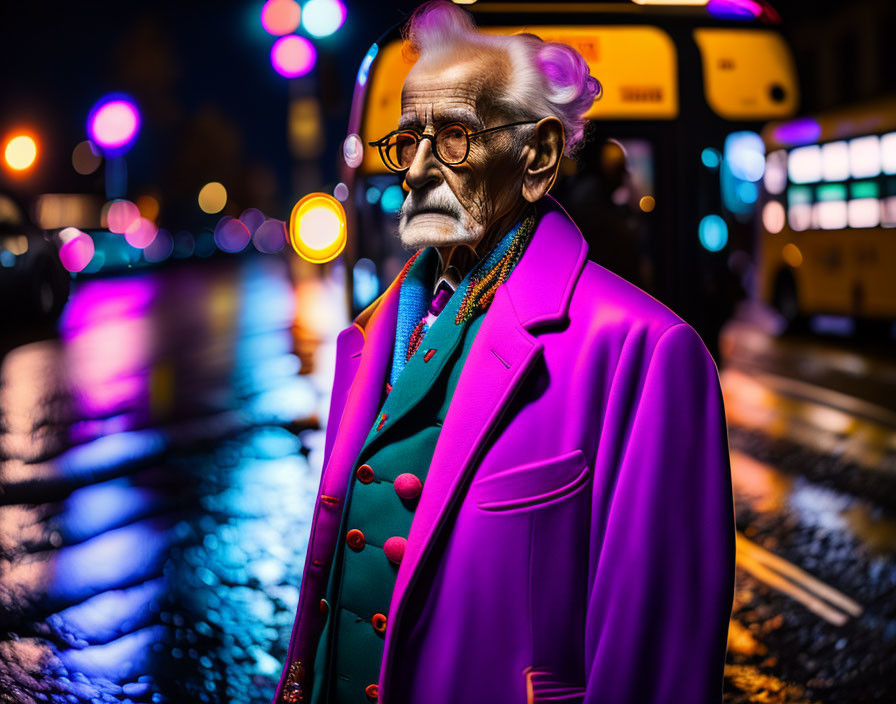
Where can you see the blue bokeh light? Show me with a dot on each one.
(321, 18)
(710, 158)
(373, 195)
(745, 154)
(747, 192)
(392, 199)
(713, 233)
(366, 283)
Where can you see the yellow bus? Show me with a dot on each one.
(682, 84)
(826, 243)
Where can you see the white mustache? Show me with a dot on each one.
(441, 200)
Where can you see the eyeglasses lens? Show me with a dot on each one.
(400, 150)
(451, 143)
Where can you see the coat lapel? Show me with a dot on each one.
(537, 292)
(377, 324)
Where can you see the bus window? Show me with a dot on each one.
(828, 207)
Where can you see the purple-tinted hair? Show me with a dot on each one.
(549, 78)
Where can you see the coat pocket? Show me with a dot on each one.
(532, 485)
(543, 686)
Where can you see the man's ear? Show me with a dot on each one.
(542, 158)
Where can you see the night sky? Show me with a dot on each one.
(213, 107)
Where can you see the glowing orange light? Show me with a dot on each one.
(148, 207)
(792, 254)
(317, 228)
(212, 198)
(20, 152)
(647, 204)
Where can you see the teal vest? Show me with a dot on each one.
(388, 475)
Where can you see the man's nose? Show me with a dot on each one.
(424, 168)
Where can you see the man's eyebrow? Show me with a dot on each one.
(443, 116)
(459, 115)
(408, 121)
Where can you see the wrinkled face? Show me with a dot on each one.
(449, 205)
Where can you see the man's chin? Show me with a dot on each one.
(433, 229)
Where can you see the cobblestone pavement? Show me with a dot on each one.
(160, 460)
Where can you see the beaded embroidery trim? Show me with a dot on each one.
(492, 271)
(416, 338)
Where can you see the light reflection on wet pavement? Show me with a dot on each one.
(160, 459)
(822, 501)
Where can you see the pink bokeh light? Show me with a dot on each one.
(77, 249)
(122, 213)
(279, 17)
(113, 123)
(293, 56)
(141, 232)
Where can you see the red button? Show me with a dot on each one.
(324, 606)
(394, 548)
(355, 539)
(379, 623)
(408, 486)
(365, 474)
(371, 691)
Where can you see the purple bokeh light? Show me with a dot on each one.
(160, 248)
(803, 130)
(231, 235)
(270, 237)
(252, 218)
(734, 9)
(293, 56)
(113, 123)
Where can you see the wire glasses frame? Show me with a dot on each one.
(451, 144)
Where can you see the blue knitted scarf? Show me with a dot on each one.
(415, 292)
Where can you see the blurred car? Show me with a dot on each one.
(34, 286)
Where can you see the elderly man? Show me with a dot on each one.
(526, 493)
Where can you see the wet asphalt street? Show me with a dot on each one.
(160, 464)
(812, 430)
(160, 461)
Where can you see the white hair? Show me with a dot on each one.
(549, 78)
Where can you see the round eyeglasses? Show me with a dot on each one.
(451, 144)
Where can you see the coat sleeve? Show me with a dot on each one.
(663, 545)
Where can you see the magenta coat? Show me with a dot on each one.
(574, 541)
